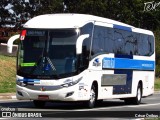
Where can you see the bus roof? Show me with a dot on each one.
(66, 20)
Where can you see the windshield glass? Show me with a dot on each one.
(47, 53)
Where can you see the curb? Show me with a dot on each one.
(4, 96)
(7, 96)
(156, 92)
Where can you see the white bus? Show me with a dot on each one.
(77, 57)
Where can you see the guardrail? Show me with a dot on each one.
(3, 50)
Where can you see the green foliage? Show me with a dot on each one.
(3, 12)
(7, 74)
(157, 84)
(128, 11)
(157, 43)
(25, 10)
(7, 87)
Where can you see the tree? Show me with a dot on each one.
(4, 13)
(128, 11)
(23, 10)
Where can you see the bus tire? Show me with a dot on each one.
(92, 100)
(39, 104)
(135, 100)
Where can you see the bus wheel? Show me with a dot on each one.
(137, 100)
(39, 104)
(92, 100)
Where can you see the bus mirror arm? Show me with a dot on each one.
(10, 43)
(80, 42)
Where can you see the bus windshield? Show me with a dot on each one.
(47, 53)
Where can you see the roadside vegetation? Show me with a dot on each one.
(8, 75)
(157, 84)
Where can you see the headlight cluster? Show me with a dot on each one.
(20, 83)
(69, 82)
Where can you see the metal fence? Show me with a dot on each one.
(3, 50)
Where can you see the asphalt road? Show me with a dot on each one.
(115, 107)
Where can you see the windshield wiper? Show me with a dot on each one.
(42, 61)
(52, 66)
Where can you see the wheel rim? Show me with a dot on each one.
(92, 97)
(139, 94)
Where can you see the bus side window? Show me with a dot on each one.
(119, 39)
(109, 45)
(98, 40)
(87, 29)
(85, 52)
(125, 42)
(145, 44)
(151, 44)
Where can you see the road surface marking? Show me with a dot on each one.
(145, 105)
(105, 108)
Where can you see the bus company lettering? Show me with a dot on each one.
(109, 63)
(147, 65)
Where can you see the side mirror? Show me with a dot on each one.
(10, 43)
(79, 43)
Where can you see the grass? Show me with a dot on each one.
(157, 84)
(8, 75)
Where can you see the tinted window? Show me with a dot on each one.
(87, 29)
(86, 46)
(130, 43)
(98, 39)
(48, 53)
(125, 42)
(109, 41)
(145, 45)
(118, 41)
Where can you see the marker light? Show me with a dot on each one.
(23, 34)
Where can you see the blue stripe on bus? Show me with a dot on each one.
(125, 63)
(29, 80)
(122, 27)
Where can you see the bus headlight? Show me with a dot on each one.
(68, 82)
(20, 83)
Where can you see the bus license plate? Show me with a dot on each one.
(43, 97)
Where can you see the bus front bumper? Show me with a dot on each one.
(72, 93)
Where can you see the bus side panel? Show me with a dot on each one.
(124, 89)
(147, 78)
